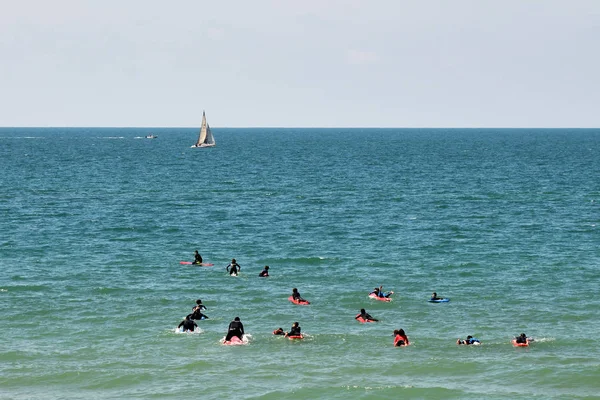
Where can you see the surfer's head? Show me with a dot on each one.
(362, 311)
(236, 319)
(266, 267)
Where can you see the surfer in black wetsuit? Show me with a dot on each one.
(364, 315)
(296, 295)
(521, 339)
(434, 296)
(265, 272)
(295, 331)
(199, 305)
(197, 311)
(188, 324)
(233, 268)
(197, 258)
(278, 331)
(236, 328)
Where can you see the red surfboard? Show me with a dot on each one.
(374, 296)
(299, 302)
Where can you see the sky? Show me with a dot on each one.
(307, 63)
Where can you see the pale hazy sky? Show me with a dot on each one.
(300, 63)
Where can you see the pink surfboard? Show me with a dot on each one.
(200, 265)
(299, 302)
(235, 341)
(374, 296)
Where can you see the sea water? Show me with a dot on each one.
(504, 222)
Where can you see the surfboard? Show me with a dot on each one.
(299, 302)
(439, 300)
(374, 296)
(514, 343)
(199, 265)
(235, 341)
(363, 321)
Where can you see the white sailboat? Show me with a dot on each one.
(205, 139)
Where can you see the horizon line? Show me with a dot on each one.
(301, 127)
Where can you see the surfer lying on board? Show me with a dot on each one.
(380, 293)
(233, 268)
(236, 328)
(365, 316)
(197, 258)
(278, 331)
(400, 338)
(434, 296)
(188, 324)
(469, 340)
(265, 272)
(296, 295)
(523, 339)
(295, 331)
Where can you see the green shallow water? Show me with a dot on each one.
(94, 223)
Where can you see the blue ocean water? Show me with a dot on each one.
(94, 222)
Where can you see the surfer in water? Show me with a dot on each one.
(400, 338)
(522, 339)
(434, 296)
(278, 331)
(295, 331)
(197, 258)
(469, 340)
(296, 295)
(236, 328)
(365, 315)
(233, 268)
(265, 272)
(199, 305)
(188, 324)
(380, 293)
(197, 311)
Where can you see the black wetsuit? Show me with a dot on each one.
(366, 317)
(296, 296)
(264, 273)
(197, 315)
(197, 258)
(188, 325)
(233, 269)
(521, 339)
(295, 331)
(236, 328)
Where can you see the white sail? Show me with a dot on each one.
(205, 139)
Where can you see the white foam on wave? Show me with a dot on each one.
(195, 332)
